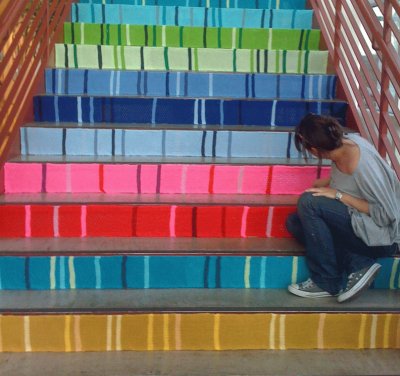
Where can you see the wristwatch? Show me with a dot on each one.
(338, 195)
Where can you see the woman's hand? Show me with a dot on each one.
(323, 191)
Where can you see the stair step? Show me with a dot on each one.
(256, 4)
(164, 178)
(192, 16)
(144, 218)
(189, 84)
(256, 112)
(190, 59)
(190, 37)
(172, 266)
(93, 140)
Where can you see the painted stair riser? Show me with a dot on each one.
(143, 221)
(198, 331)
(189, 84)
(190, 59)
(164, 272)
(191, 37)
(192, 16)
(85, 109)
(164, 178)
(256, 4)
(153, 142)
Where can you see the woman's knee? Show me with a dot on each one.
(306, 202)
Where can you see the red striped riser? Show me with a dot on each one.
(143, 221)
(158, 178)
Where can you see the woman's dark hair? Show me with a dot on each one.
(323, 133)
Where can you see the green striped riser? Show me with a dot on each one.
(194, 37)
(257, 4)
(160, 272)
(190, 59)
(192, 16)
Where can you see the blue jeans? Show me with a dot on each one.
(333, 250)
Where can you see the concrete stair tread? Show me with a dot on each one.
(189, 301)
(146, 199)
(165, 160)
(150, 246)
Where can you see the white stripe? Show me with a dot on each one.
(83, 221)
(321, 326)
(178, 337)
(374, 325)
(311, 87)
(178, 84)
(118, 83)
(320, 87)
(118, 53)
(269, 221)
(234, 37)
(270, 36)
(203, 112)
(82, 33)
(118, 345)
(62, 272)
(27, 334)
(1, 336)
(240, 179)
(184, 177)
(153, 111)
(56, 230)
(146, 272)
(97, 270)
(59, 81)
(273, 113)
(295, 267)
(208, 3)
(71, 269)
(393, 274)
(272, 332)
(28, 224)
(112, 83)
(247, 271)
(128, 35)
(263, 272)
(79, 109)
(196, 112)
(56, 113)
(52, 273)
(282, 332)
(163, 36)
(210, 85)
(77, 333)
(109, 332)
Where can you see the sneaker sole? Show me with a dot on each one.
(361, 285)
(305, 294)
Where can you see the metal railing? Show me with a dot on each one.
(363, 38)
(28, 31)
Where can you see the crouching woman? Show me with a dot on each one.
(347, 221)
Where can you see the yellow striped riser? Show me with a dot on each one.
(198, 331)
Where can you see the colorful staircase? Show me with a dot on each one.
(147, 208)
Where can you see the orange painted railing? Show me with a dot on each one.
(28, 31)
(363, 38)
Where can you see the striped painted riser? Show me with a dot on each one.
(189, 84)
(257, 4)
(143, 221)
(190, 59)
(162, 272)
(167, 178)
(191, 37)
(153, 142)
(211, 111)
(198, 331)
(192, 16)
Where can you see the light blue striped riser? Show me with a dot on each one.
(152, 142)
(192, 16)
(256, 4)
(189, 84)
(144, 272)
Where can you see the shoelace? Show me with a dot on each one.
(352, 276)
(308, 283)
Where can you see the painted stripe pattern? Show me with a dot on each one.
(143, 221)
(182, 110)
(192, 16)
(187, 36)
(193, 84)
(197, 331)
(158, 178)
(180, 58)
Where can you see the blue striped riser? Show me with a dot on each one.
(153, 142)
(192, 16)
(143, 272)
(189, 84)
(89, 109)
(256, 4)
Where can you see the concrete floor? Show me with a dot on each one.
(249, 363)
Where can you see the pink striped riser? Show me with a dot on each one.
(217, 221)
(158, 178)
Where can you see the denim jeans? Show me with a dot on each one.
(333, 250)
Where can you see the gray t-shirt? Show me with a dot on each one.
(375, 181)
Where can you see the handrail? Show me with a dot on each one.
(367, 63)
(28, 31)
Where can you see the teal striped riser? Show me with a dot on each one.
(192, 16)
(190, 59)
(257, 4)
(191, 37)
(149, 272)
(189, 84)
